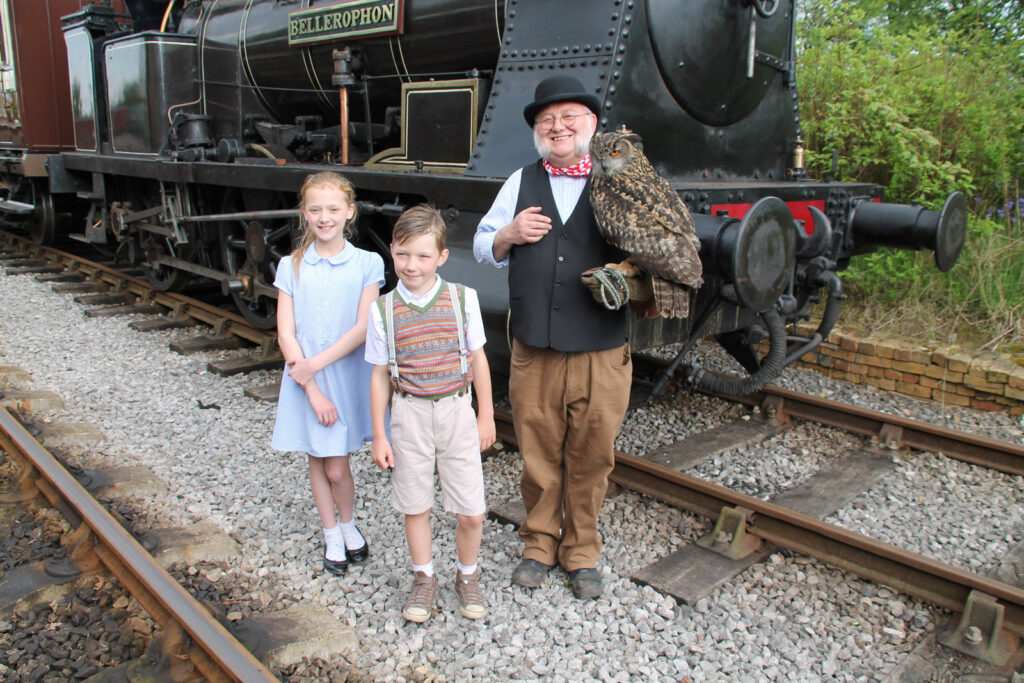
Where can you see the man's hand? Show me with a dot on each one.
(530, 225)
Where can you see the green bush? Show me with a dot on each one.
(922, 103)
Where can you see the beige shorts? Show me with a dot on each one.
(442, 434)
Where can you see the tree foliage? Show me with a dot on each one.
(924, 98)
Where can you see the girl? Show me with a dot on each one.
(326, 289)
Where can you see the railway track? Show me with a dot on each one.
(197, 640)
(748, 528)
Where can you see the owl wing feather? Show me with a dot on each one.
(646, 218)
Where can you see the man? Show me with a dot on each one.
(571, 369)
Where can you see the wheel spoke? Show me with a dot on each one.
(279, 233)
(235, 257)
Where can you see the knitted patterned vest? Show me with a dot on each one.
(427, 344)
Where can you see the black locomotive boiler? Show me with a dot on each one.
(183, 129)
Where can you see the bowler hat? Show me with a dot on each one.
(559, 89)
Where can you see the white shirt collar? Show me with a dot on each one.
(411, 298)
(312, 256)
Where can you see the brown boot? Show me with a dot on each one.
(471, 598)
(422, 601)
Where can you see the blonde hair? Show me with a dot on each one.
(422, 219)
(334, 181)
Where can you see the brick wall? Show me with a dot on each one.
(983, 380)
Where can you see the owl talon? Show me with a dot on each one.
(638, 284)
(629, 268)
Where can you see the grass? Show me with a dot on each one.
(978, 304)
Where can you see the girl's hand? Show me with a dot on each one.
(382, 455)
(326, 413)
(488, 434)
(302, 371)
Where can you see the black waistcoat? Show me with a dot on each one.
(550, 306)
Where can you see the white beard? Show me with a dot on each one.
(581, 144)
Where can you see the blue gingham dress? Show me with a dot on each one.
(326, 300)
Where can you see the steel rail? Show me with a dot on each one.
(220, 656)
(1003, 456)
(936, 582)
(984, 451)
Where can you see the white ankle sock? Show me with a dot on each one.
(335, 544)
(353, 538)
(427, 568)
(467, 570)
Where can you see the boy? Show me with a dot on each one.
(425, 340)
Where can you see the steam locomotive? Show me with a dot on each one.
(177, 133)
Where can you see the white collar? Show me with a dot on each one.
(411, 298)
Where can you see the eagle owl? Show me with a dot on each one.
(639, 212)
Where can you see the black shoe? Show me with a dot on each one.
(586, 583)
(337, 568)
(530, 573)
(359, 554)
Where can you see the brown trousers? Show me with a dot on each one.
(567, 409)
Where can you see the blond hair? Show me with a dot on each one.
(422, 219)
(328, 179)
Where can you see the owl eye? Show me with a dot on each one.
(614, 153)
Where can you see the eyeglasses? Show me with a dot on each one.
(548, 121)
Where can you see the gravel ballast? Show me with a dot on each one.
(789, 618)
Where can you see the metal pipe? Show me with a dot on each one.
(241, 216)
(343, 95)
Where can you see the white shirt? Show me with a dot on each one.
(377, 341)
(565, 189)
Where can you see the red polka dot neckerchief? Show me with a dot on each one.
(581, 169)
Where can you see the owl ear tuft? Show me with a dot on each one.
(637, 142)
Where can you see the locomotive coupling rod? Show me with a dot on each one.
(935, 582)
(20, 208)
(120, 552)
(240, 216)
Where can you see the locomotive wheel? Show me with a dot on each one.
(148, 247)
(251, 249)
(163, 278)
(42, 226)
